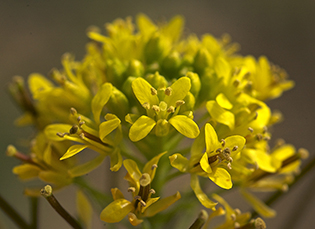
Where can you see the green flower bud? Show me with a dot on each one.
(155, 49)
(203, 60)
(170, 64)
(195, 83)
(157, 81)
(114, 72)
(135, 68)
(118, 103)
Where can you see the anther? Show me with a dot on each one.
(153, 91)
(179, 103)
(251, 129)
(237, 211)
(236, 83)
(62, 134)
(219, 150)
(237, 225)
(222, 142)
(256, 115)
(140, 200)
(156, 108)
(154, 166)
(146, 105)
(79, 118)
(152, 191)
(266, 138)
(229, 165)
(82, 135)
(233, 216)
(259, 137)
(168, 91)
(132, 189)
(81, 123)
(303, 153)
(235, 148)
(171, 109)
(74, 129)
(73, 111)
(265, 129)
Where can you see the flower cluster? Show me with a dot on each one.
(138, 94)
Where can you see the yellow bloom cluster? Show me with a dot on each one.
(138, 92)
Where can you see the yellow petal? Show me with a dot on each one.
(141, 128)
(161, 205)
(52, 130)
(202, 197)
(220, 115)
(39, 85)
(99, 101)
(211, 138)
(185, 126)
(149, 168)
(142, 90)
(133, 170)
(26, 171)
(115, 160)
(73, 150)
(116, 211)
(258, 205)
(204, 163)
(223, 101)
(107, 127)
(179, 162)
(84, 209)
(87, 167)
(134, 221)
(221, 178)
(117, 194)
(180, 89)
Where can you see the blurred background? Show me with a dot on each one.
(34, 35)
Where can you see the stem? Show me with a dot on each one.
(34, 212)
(98, 196)
(12, 213)
(273, 198)
(47, 193)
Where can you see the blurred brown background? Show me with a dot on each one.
(34, 35)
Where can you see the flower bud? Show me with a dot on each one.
(155, 49)
(118, 103)
(135, 68)
(157, 81)
(195, 83)
(203, 60)
(170, 64)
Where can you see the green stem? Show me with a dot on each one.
(47, 193)
(12, 213)
(274, 197)
(98, 196)
(34, 212)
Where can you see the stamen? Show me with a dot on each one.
(266, 138)
(152, 191)
(233, 216)
(154, 166)
(146, 105)
(259, 137)
(222, 142)
(251, 129)
(156, 108)
(237, 211)
(153, 91)
(179, 103)
(303, 153)
(73, 111)
(74, 129)
(229, 165)
(140, 200)
(236, 83)
(235, 148)
(171, 109)
(168, 91)
(62, 134)
(132, 189)
(219, 150)
(265, 129)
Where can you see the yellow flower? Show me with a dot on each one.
(163, 110)
(142, 205)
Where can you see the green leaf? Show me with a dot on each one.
(99, 101)
(73, 150)
(220, 115)
(116, 211)
(180, 89)
(202, 197)
(185, 126)
(141, 128)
